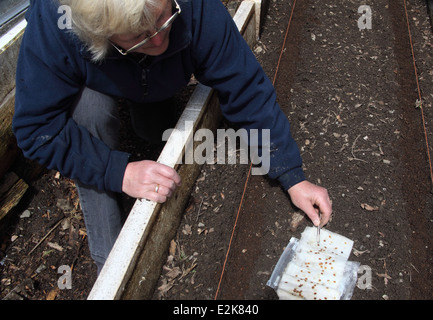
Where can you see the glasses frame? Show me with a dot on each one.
(166, 24)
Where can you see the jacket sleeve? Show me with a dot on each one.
(247, 97)
(49, 77)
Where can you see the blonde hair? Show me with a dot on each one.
(95, 21)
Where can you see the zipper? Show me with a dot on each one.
(143, 83)
(144, 64)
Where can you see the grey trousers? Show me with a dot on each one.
(99, 113)
(102, 212)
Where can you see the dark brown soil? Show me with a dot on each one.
(351, 97)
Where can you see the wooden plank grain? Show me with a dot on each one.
(8, 145)
(12, 189)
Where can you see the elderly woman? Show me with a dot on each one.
(143, 51)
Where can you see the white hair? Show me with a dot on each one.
(95, 21)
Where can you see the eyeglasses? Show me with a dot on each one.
(167, 24)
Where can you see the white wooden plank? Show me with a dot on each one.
(258, 11)
(118, 267)
(242, 16)
(112, 279)
(12, 35)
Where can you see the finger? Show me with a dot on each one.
(318, 211)
(165, 182)
(156, 197)
(163, 190)
(154, 193)
(169, 173)
(325, 208)
(312, 213)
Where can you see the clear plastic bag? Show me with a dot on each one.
(309, 286)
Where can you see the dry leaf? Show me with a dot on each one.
(297, 218)
(358, 252)
(82, 232)
(368, 207)
(200, 231)
(53, 294)
(164, 288)
(173, 273)
(187, 271)
(385, 277)
(55, 246)
(217, 208)
(187, 230)
(172, 250)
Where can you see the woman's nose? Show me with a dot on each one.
(157, 39)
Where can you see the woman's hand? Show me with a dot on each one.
(312, 200)
(150, 180)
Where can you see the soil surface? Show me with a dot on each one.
(352, 98)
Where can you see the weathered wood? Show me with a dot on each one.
(8, 145)
(9, 48)
(245, 20)
(142, 222)
(258, 17)
(12, 189)
(233, 6)
(146, 273)
(135, 262)
(10, 43)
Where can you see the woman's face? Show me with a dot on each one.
(155, 46)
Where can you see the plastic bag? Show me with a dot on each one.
(310, 271)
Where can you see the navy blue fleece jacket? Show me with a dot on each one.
(54, 66)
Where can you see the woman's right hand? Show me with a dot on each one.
(150, 180)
